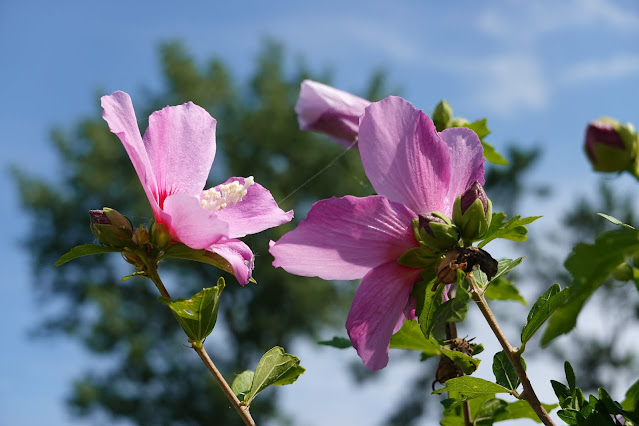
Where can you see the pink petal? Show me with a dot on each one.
(378, 311)
(403, 156)
(467, 162)
(239, 255)
(192, 225)
(120, 116)
(344, 238)
(324, 109)
(180, 141)
(256, 212)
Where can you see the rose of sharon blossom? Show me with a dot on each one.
(324, 109)
(173, 161)
(415, 170)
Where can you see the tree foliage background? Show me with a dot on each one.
(150, 378)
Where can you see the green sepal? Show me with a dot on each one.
(513, 229)
(474, 222)
(419, 257)
(197, 315)
(277, 368)
(181, 251)
(445, 235)
(242, 384)
(85, 250)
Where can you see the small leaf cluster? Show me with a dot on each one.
(602, 411)
(276, 368)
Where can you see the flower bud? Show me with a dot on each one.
(142, 235)
(472, 213)
(436, 231)
(111, 228)
(610, 145)
(442, 115)
(324, 109)
(160, 237)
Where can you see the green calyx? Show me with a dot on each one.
(474, 222)
(118, 233)
(436, 232)
(614, 159)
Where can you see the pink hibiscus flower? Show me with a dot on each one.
(325, 109)
(173, 161)
(415, 170)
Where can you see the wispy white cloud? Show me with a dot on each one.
(518, 20)
(619, 66)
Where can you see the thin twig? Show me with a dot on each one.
(513, 354)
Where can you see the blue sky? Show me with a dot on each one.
(538, 70)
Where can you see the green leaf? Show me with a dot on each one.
(492, 155)
(85, 250)
(632, 397)
(543, 308)
(521, 410)
(480, 127)
(337, 342)
(488, 412)
(410, 336)
(470, 387)
(430, 302)
(453, 310)
(513, 229)
(504, 371)
(501, 289)
(503, 267)
(466, 363)
(615, 221)
(197, 315)
(242, 384)
(590, 265)
(181, 251)
(275, 368)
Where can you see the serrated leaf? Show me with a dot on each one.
(470, 387)
(181, 251)
(198, 314)
(410, 336)
(501, 289)
(85, 250)
(543, 308)
(466, 363)
(337, 342)
(275, 368)
(615, 221)
(521, 410)
(590, 265)
(513, 229)
(242, 384)
(504, 371)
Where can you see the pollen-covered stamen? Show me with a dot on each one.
(224, 195)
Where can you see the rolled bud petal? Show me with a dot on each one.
(436, 231)
(324, 109)
(111, 228)
(610, 145)
(472, 213)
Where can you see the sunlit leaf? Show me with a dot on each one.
(410, 336)
(513, 229)
(85, 250)
(275, 368)
(470, 387)
(543, 308)
(242, 384)
(505, 373)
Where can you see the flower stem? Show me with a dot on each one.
(513, 354)
(451, 333)
(242, 409)
(151, 272)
